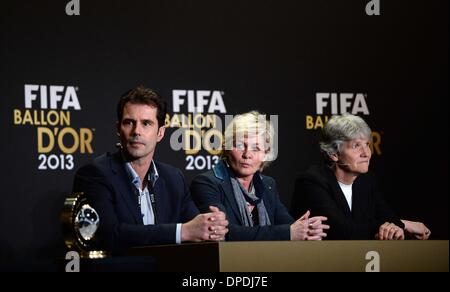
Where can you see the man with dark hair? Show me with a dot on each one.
(141, 201)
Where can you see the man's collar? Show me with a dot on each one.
(152, 174)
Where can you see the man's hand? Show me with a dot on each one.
(208, 226)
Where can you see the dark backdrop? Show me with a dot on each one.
(274, 56)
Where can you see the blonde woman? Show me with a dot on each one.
(248, 198)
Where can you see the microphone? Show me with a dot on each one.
(354, 164)
(345, 164)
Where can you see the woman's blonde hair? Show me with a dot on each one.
(252, 123)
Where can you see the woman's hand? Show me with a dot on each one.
(306, 228)
(390, 231)
(417, 229)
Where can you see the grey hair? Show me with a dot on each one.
(248, 123)
(340, 129)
